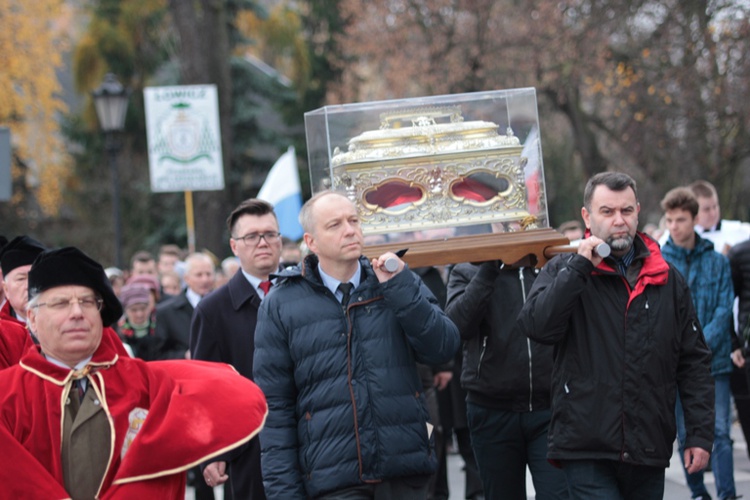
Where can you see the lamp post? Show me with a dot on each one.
(111, 102)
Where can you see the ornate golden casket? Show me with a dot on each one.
(449, 177)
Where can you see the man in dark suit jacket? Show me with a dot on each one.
(173, 315)
(223, 328)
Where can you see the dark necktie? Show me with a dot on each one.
(265, 286)
(346, 289)
(78, 386)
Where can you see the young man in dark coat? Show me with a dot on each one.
(223, 328)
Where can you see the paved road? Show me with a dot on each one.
(675, 487)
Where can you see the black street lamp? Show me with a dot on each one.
(111, 102)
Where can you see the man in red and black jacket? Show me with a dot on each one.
(626, 337)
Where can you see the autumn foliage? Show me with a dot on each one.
(31, 43)
(657, 89)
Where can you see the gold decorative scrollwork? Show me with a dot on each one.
(423, 174)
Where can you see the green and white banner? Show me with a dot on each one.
(184, 138)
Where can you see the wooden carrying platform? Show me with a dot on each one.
(508, 247)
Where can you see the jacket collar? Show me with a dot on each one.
(240, 291)
(308, 269)
(180, 301)
(654, 268)
(701, 245)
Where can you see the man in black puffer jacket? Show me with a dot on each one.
(347, 414)
(626, 337)
(507, 380)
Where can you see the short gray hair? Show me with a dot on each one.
(33, 300)
(306, 219)
(197, 257)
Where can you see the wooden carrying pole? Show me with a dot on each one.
(508, 247)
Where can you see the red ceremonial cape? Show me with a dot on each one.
(110, 334)
(14, 341)
(5, 315)
(196, 411)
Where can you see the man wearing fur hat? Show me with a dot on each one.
(15, 259)
(79, 421)
(14, 340)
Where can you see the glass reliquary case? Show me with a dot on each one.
(452, 178)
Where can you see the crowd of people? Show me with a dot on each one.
(584, 371)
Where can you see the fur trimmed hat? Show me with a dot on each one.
(70, 266)
(20, 251)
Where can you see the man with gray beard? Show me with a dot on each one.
(626, 337)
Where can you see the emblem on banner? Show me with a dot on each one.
(185, 137)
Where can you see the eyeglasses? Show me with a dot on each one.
(254, 238)
(86, 303)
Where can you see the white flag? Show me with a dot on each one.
(282, 190)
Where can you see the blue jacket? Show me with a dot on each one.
(709, 277)
(345, 401)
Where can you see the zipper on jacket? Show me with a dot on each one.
(481, 356)
(528, 342)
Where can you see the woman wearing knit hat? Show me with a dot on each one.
(137, 326)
